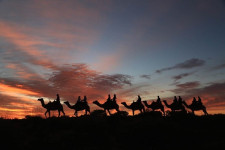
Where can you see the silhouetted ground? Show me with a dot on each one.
(116, 132)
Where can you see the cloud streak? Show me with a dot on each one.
(188, 64)
(146, 76)
(181, 76)
(219, 67)
(185, 86)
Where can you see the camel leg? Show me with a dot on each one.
(89, 111)
(75, 113)
(109, 112)
(133, 112)
(49, 113)
(163, 111)
(117, 110)
(63, 113)
(204, 110)
(46, 113)
(140, 111)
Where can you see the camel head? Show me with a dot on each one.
(95, 102)
(40, 99)
(66, 102)
(123, 103)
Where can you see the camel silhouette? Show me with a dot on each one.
(78, 107)
(52, 106)
(195, 107)
(135, 106)
(174, 106)
(108, 105)
(154, 106)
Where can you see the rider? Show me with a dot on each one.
(158, 100)
(114, 98)
(199, 101)
(180, 100)
(109, 98)
(139, 99)
(175, 100)
(85, 99)
(194, 102)
(57, 98)
(78, 100)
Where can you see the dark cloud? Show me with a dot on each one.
(80, 80)
(218, 67)
(111, 81)
(146, 76)
(188, 64)
(188, 85)
(185, 86)
(180, 76)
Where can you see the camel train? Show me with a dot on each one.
(111, 104)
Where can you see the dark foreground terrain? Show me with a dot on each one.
(115, 132)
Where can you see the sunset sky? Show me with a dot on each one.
(101, 47)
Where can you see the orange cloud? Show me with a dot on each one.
(14, 91)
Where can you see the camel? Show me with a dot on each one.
(194, 107)
(135, 106)
(79, 106)
(154, 106)
(174, 106)
(108, 105)
(51, 106)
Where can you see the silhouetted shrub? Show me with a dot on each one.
(33, 117)
(98, 113)
(120, 114)
(153, 113)
(176, 113)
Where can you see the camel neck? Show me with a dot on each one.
(43, 104)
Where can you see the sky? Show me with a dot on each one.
(98, 47)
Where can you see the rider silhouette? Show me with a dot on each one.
(194, 102)
(199, 101)
(109, 98)
(114, 98)
(180, 100)
(57, 98)
(175, 100)
(78, 100)
(85, 99)
(139, 99)
(158, 100)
